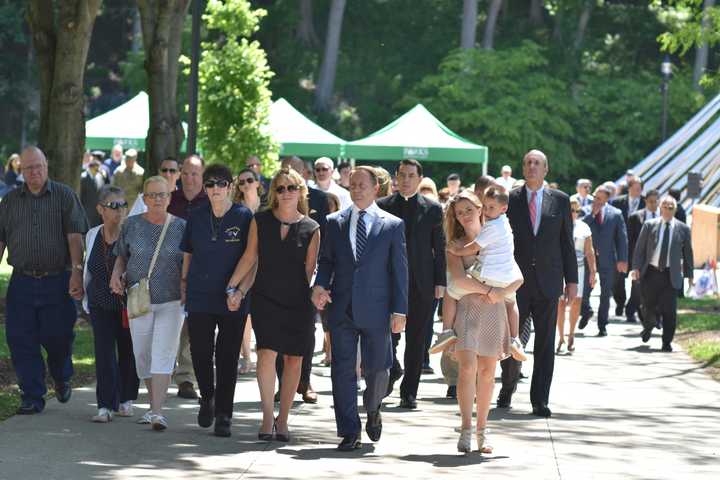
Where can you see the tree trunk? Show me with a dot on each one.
(162, 25)
(61, 45)
(583, 24)
(328, 68)
(536, 12)
(490, 24)
(469, 24)
(306, 28)
(702, 50)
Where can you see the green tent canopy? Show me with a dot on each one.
(126, 125)
(417, 134)
(298, 135)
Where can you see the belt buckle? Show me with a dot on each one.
(37, 275)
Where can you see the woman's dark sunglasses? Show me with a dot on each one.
(216, 183)
(169, 170)
(115, 205)
(242, 182)
(289, 188)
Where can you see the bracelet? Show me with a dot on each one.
(230, 290)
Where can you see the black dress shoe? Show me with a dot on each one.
(28, 408)
(618, 311)
(206, 413)
(373, 427)
(602, 333)
(666, 347)
(504, 399)
(186, 390)
(584, 319)
(631, 319)
(451, 392)
(646, 334)
(350, 443)
(408, 402)
(541, 410)
(63, 392)
(222, 426)
(395, 375)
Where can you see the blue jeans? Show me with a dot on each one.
(40, 313)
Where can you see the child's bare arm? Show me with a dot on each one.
(471, 248)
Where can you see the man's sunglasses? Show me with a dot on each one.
(169, 170)
(115, 205)
(216, 183)
(321, 169)
(242, 182)
(290, 188)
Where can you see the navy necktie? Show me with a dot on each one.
(360, 235)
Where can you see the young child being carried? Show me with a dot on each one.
(494, 267)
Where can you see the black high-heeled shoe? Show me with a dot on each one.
(267, 437)
(281, 437)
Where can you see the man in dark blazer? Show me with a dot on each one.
(634, 225)
(663, 256)
(425, 242)
(545, 252)
(628, 204)
(363, 279)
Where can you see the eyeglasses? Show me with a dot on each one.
(169, 170)
(115, 205)
(156, 195)
(576, 211)
(216, 183)
(321, 169)
(290, 188)
(242, 182)
(668, 207)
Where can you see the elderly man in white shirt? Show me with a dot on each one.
(506, 179)
(170, 171)
(324, 168)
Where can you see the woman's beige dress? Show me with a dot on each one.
(480, 327)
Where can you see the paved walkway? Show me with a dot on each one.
(621, 410)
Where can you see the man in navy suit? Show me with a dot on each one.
(609, 236)
(363, 275)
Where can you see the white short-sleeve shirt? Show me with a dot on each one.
(497, 247)
(581, 231)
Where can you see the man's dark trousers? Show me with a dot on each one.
(40, 313)
(659, 298)
(420, 310)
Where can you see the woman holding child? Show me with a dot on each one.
(480, 321)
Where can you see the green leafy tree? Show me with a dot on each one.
(234, 98)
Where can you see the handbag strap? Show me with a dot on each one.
(159, 244)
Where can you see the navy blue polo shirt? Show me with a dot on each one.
(213, 261)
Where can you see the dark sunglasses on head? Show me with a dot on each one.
(249, 181)
(289, 188)
(216, 183)
(115, 205)
(169, 170)
(321, 169)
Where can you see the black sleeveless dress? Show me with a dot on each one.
(282, 313)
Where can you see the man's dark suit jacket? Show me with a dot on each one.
(552, 251)
(623, 204)
(319, 210)
(634, 225)
(426, 245)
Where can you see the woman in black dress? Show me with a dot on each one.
(284, 242)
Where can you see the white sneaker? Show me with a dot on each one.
(146, 419)
(125, 409)
(104, 415)
(159, 423)
(517, 351)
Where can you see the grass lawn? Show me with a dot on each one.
(699, 329)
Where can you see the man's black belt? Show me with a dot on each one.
(39, 273)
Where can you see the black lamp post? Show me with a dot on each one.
(666, 70)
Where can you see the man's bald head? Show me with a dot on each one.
(34, 167)
(33, 152)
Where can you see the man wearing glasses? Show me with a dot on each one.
(42, 223)
(663, 256)
(170, 171)
(324, 168)
(583, 196)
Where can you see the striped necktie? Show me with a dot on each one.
(360, 235)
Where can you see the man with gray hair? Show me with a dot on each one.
(324, 169)
(582, 195)
(42, 223)
(506, 179)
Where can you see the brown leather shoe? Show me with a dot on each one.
(186, 390)
(309, 395)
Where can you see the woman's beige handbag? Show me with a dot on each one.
(138, 296)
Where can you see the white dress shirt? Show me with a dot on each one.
(650, 215)
(342, 194)
(506, 182)
(372, 213)
(538, 205)
(633, 205)
(655, 259)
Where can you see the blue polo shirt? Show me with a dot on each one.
(213, 261)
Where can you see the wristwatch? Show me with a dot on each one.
(79, 267)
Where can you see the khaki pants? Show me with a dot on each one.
(184, 368)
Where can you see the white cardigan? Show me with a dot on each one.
(89, 242)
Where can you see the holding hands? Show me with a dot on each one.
(320, 297)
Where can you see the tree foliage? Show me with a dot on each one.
(234, 96)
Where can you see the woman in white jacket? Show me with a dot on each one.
(117, 380)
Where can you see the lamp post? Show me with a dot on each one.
(666, 70)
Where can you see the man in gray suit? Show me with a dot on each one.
(609, 236)
(663, 256)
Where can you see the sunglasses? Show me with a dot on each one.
(169, 170)
(157, 195)
(290, 188)
(216, 183)
(242, 182)
(576, 211)
(115, 205)
(321, 169)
